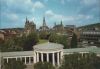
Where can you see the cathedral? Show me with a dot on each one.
(58, 28)
(29, 27)
(44, 27)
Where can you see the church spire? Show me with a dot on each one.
(61, 22)
(26, 19)
(44, 23)
(55, 23)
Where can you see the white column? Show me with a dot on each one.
(16, 58)
(61, 55)
(21, 58)
(42, 57)
(25, 60)
(7, 60)
(53, 57)
(34, 57)
(29, 60)
(47, 57)
(58, 58)
(37, 57)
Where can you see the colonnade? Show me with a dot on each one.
(21, 58)
(59, 57)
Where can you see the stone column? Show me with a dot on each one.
(7, 60)
(25, 60)
(58, 58)
(16, 58)
(53, 58)
(61, 55)
(21, 58)
(34, 59)
(42, 57)
(47, 57)
(37, 57)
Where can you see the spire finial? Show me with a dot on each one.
(61, 22)
(44, 23)
(55, 23)
(26, 19)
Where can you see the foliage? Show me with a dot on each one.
(20, 43)
(13, 64)
(31, 40)
(43, 35)
(74, 41)
(77, 61)
(10, 45)
(43, 65)
(53, 37)
(61, 39)
(90, 26)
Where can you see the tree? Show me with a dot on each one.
(43, 35)
(43, 65)
(61, 39)
(13, 64)
(53, 37)
(79, 61)
(20, 43)
(29, 41)
(74, 41)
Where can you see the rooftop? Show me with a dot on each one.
(19, 53)
(88, 49)
(48, 45)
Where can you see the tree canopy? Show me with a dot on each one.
(79, 61)
(61, 39)
(13, 64)
(74, 41)
(24, 42)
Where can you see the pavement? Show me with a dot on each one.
(30, 66)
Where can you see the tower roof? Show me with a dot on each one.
(44, 22)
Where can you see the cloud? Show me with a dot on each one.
(21, 6)
(11, 17)
(90, 7)
(90, 2)
(62, 1)
(52, 15)
(49, 13)
(38, 4)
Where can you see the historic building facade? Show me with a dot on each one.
(59, 28)
(29, 27)
(44, 27)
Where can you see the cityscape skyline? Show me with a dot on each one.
(71, 12)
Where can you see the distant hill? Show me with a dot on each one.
(12, 29)
(96, 25)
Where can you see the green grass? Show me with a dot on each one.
(42, 41)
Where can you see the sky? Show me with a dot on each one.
(72, 12)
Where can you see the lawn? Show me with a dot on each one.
(42, 41)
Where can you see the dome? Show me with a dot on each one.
(48, 46)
